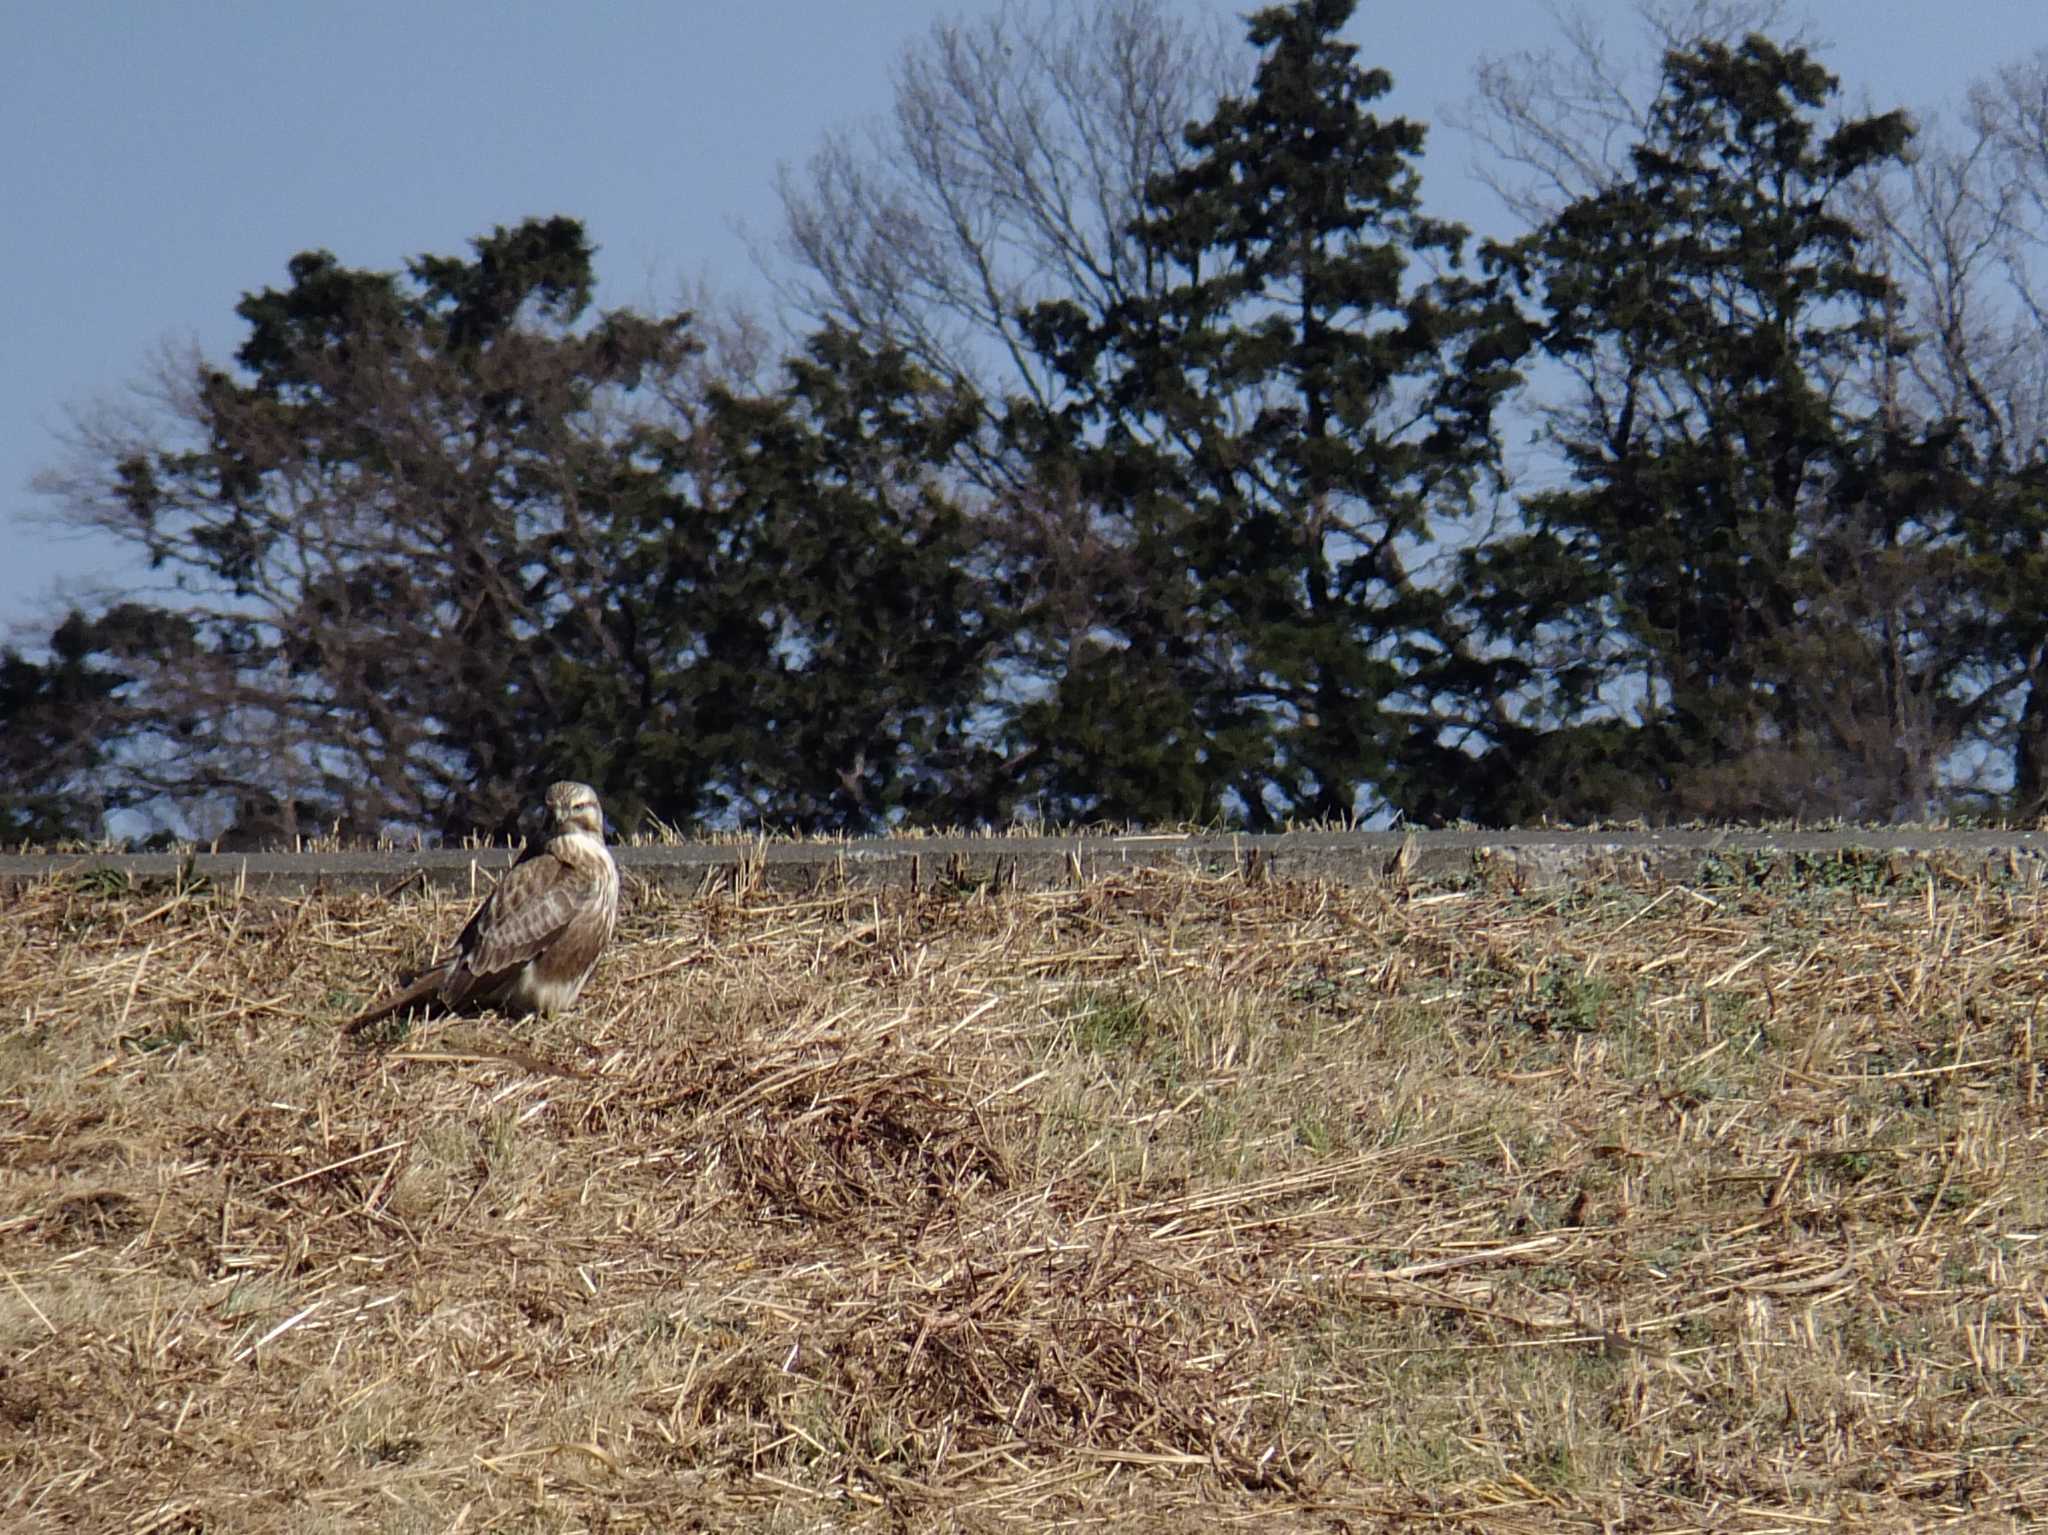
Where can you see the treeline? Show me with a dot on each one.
(1152, 454)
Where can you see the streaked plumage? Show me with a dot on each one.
(536, 938)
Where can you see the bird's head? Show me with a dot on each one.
(574, 807)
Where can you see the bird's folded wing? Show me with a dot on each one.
(537, 902)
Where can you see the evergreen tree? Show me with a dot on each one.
(63, 721)
(1265, 441)
(386, 531)
(442, 536)
(1658, 615)
(817, 604)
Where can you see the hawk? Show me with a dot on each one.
(536, 938)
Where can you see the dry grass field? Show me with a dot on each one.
(1169, 1202)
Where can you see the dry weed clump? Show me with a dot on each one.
(1170, 1201)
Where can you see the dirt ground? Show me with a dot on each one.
(1162, 1202)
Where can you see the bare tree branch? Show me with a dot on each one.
(1009, 173)
(1557, 124)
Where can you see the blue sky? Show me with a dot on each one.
(164, 159)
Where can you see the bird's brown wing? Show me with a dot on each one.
(538, 899)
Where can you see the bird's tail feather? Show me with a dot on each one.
(421, 994)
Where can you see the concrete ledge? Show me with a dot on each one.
(1539, 857)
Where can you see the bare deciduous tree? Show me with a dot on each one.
(1008, 173)
(1559, 123)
